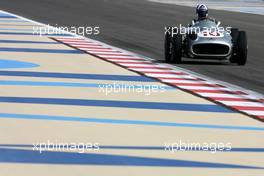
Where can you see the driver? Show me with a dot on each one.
(202, 13)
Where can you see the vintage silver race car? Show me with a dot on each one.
(205, 39)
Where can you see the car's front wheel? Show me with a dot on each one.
(177, 48)
(167, 47)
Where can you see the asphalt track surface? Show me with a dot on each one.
(138, 26)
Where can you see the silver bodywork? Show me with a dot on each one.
(206, 44)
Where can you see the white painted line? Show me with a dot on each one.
(148, 70)
(129, 60)
(168, 76)
(203, 87)
(138, 65)
(224, 95)
(104, 52)
(256, 113)
(91, 47)
(125, 57)
(113, 55)
(186, 81)
(79, 43)
(85, 45)
(241, 103)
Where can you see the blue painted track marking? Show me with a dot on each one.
(72, 84)
(35, 50)
(26, 42)
(30, 156)
(128, 122)
(7, 16)
(28, 33)
(118, 104)
(16, 29)
(7, 24)
(77, 76)
(13, 21)
(4, 64)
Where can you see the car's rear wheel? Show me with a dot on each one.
(242, 48)
(177, 48)
(167, 46)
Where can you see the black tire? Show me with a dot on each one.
(242, 48)
(167, 46)
(177, 48)
(234, 35)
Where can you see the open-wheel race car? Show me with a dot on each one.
(205, 39)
